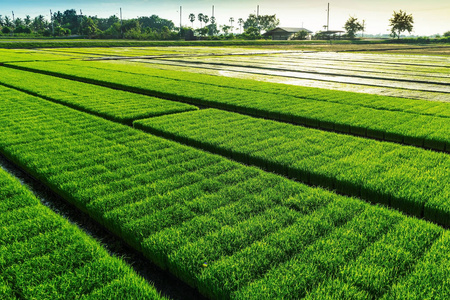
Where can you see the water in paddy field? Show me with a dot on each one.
(405, 76)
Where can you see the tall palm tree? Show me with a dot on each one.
(205, 19)
(192, 19)
(240, 22)
(231, 23)
(7, 21)
(27, 20)
(200, 18)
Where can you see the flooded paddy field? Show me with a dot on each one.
(407, 76)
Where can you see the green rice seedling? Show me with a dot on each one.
(428, 279)
(114, 105)
(268, 230)
(387, 260)
(321, 259)
(402, 177)
(295, 104)
(43, 256)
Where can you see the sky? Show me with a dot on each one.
(430, 17)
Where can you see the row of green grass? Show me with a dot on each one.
(396, 126)
(8, 55)
(411, 179)
(118, 106)
(379, 102)
(226, 229)
(43, 256)
(65, 43)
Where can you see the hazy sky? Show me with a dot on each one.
(430, 17)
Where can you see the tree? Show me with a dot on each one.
(301, 35)
(18, 22)
(27, 21)
(252, 21)
(89, 27)
(59, 31)
(7, 22)
(212, 28)
(39, 23)
(200, 18)
(192, 19)
(105, 24)
(6, 30)
(205, 19)
(240, 22)
(251, 33)
(58, 18)
(231, 23)
(155, 22)
(266, 22)
(352, 26)
(202, 31)
(400, 22)
(226, 29)
(71, 20)
(447, 34)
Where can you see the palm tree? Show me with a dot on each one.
(18, 22)
(192, 19)
(205, 19)
(231, 23)
(27, 20)
(7, 21)
(200, 18)
(240, 22)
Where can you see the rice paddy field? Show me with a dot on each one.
(255, 172)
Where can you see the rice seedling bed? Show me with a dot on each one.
(430, 129)
(118, 106)
(407, 178)
(227, 229)
(43, 256)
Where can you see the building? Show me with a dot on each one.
(285, 33)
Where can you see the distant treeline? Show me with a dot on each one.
(70, 23)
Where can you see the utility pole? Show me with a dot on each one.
(257, 19)
(12, 31)
(364, 27)
(181, 13)
(328, 17)
(121, 23)
(51, 20)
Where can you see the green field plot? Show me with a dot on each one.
(229, 230)
(341, 97)
(112, 52)
(120, 106)
(430, 129)
(7, 55)
(43, 256)
(413, 180)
